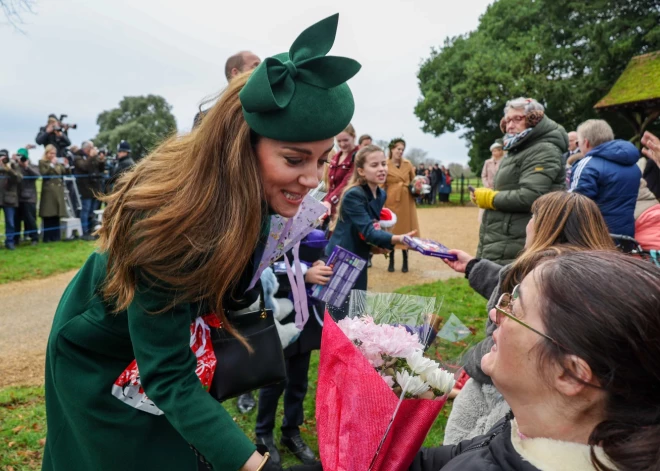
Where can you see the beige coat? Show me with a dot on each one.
(399, 199)
(488, 173)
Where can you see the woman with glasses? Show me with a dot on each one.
(560, 220)
(579, 364)
(534, 145)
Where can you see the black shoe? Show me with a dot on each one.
(404, 269)
(391, 267)
(269, 442)
(298, 447)
(246, 403)
(88, 237)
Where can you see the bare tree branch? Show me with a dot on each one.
(15, 10)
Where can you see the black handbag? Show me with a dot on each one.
(237, 370)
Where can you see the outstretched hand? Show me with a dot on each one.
(398, 239)
(462, 259)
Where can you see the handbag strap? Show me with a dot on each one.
(200, 457)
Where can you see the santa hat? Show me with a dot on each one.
(387, 218)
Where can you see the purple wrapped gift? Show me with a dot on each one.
(429, 247)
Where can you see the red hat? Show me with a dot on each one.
(387, 218)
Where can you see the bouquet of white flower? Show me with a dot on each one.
(398, 356)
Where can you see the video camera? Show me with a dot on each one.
(65, 125)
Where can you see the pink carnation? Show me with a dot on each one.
(377, 341)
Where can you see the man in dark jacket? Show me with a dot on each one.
(53, 133)
(10, 177)
(88, 169)
(608, 174)
(124, 161)
(27, 199)
(435, 182)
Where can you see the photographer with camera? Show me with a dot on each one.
(26, 212)
(89, 168)
(55, 133)
(10, 177)
(123, 164)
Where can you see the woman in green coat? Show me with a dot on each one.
(532, 168)
(181, 237)
(51, 204)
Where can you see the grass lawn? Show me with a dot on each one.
(42, 260)
(455, 195)
(22, 409)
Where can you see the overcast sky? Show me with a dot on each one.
(80, 57)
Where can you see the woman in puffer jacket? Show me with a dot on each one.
(582, 379)
(532, 168)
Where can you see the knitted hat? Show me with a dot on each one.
(315, 239)
(301, 95)
(23, 152)
(387, 218)
(4, 153)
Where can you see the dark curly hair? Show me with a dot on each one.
(394, 142)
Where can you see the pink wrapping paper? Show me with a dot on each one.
(354, 407)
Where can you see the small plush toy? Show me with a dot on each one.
(281, 308)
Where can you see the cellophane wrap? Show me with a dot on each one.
(128, 386)
(285, 233)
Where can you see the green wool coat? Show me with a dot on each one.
(89, 347)
(531, 169)
(52, 203)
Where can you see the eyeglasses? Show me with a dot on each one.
(515, 119)
(504, 306)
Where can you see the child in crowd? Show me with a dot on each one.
(297, 356)
(356, 229)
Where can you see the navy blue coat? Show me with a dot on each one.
(359, 211)
(609, 175)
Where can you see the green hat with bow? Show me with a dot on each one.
(302, 95)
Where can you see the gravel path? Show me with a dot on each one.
(27, 307)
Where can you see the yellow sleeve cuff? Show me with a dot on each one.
(484, 198)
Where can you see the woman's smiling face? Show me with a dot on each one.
(289, 170)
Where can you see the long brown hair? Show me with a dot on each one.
(356, 179)
(561, 218)
(188, 217)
